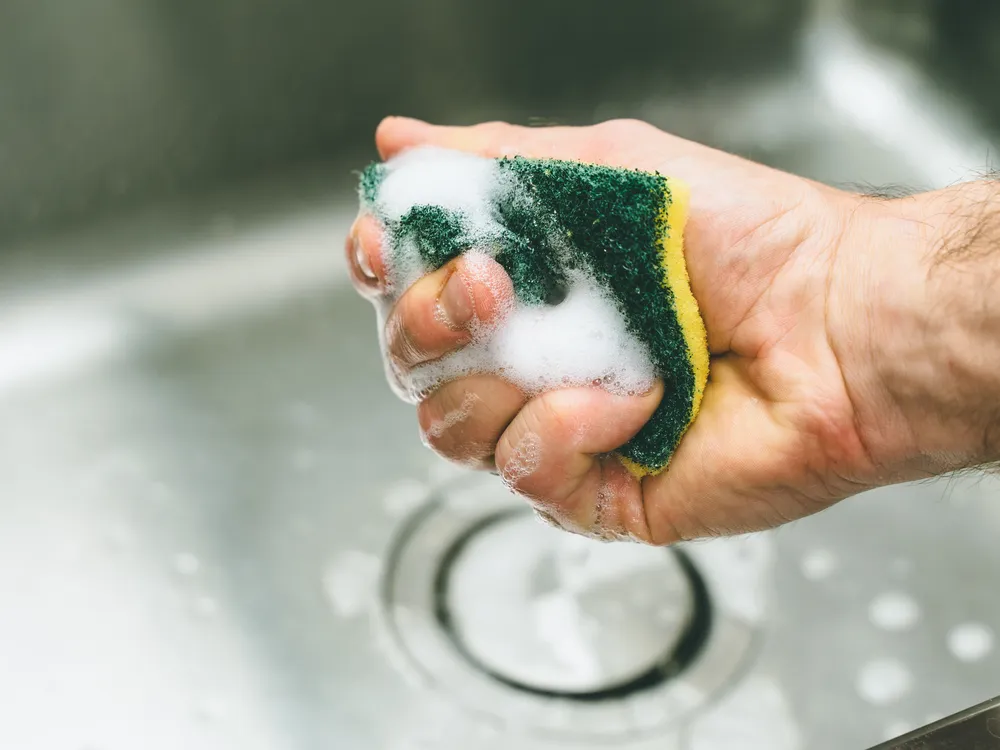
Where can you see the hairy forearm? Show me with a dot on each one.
(933, 317)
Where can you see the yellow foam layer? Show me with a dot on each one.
(676, 278)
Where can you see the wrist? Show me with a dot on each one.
(927, 320)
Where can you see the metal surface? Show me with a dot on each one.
(977, 728)
(624, 644)
(565, 616)
(206, 490)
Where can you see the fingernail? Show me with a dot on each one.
(407, 120)
(455, 302)
(361, 257)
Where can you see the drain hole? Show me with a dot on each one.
(557, 616)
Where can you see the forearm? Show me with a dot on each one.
(933, 317)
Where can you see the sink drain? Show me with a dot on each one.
(559, 616)
(555, 634)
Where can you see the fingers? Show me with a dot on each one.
(437, 314)
(491, 139)
(464, 419)
(550, 454)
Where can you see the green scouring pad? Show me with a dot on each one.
(544, 219)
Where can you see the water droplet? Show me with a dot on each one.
(894, 611)
(970, 642)
(350, 581)
(186, 564)
(884, 681)
(819, 564)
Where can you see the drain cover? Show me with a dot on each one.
(556, 614)
(558, 636)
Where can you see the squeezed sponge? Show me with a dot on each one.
(606, 242)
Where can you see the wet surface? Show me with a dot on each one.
(203, 476)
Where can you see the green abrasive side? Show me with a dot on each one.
(613, 219)
(438, 234)
(371, 180)
(526, 253)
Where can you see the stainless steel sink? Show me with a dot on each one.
(219, 529)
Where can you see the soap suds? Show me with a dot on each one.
(582, 340)
(523, 460)
(453, 417)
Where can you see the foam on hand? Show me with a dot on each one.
(593, 303)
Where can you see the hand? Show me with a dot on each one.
(794, 416)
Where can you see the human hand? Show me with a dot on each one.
(795, 416)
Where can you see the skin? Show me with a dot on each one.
(855, 342)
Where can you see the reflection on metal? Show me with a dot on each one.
(977, 728)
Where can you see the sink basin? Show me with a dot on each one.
(221, 531)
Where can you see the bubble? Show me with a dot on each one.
(894, 611)
(523, 460)
(819, 564)
(970, 642)
(453, 417)
(884, 681)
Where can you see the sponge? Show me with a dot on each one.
(603, 243)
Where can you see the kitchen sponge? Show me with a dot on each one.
(596, 258)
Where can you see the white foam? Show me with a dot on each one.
(581, 341)
(453, 417)
(523, 461)
(452, 180)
